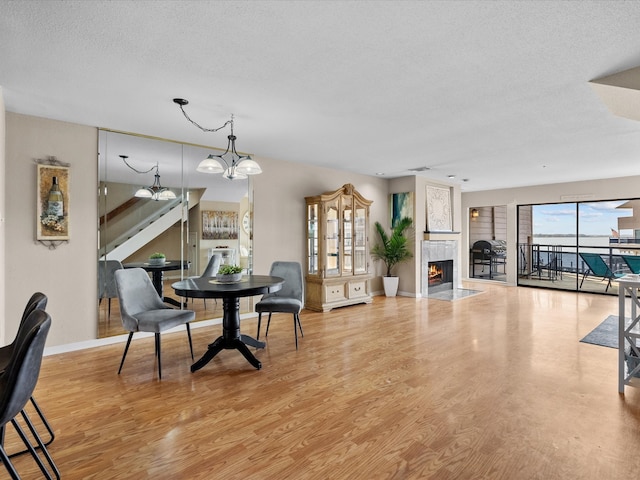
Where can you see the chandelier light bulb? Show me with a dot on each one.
(210, 165)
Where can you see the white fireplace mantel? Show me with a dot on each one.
(441, 236)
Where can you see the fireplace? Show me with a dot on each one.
(440, 271)
(440, 275)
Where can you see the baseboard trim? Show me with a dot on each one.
(101, 342)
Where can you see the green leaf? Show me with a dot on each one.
(392, 249)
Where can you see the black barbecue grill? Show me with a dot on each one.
(487, 256)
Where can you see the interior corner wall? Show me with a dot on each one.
(408, 272)
(66, 274)
(3, 181)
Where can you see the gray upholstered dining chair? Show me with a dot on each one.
(142, 310)
(107, 282)
(38, 301)
(211, 270)
(289, 299)
(17, 384)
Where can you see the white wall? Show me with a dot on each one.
(67, 274)
(609, 189)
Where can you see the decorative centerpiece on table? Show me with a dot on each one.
(229, 273)
(157, 258)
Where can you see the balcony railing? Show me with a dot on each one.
(546, 262)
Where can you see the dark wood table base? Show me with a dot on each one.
(231, 338)
(222, 343)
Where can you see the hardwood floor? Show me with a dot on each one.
(494, 386)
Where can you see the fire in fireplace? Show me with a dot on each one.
(440, 274)
(439, 251)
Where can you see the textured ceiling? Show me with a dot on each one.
(496, 93)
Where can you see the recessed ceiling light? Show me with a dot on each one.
(419, 169)
(451, 176)
(380, 173)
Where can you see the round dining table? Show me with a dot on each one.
(231, 338)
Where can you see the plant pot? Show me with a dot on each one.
(157, 261)
(229, 278)
(390, 286)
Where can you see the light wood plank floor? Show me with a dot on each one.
(494, 386)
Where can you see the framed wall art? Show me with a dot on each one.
(52, 202)
(401, 206)
(438, 209)
(219, 225)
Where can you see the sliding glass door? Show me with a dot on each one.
(583, 246)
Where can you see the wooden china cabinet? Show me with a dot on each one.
(337, 249)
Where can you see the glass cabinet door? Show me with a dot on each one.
(360, 240)
(347, 233)
(332, 234)
(312, 239)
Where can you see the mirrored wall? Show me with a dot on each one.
(183, 214)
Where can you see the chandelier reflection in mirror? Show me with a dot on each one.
(154, 192)
(231, 164)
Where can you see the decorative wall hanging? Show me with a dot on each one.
(438, 209)
(401, 206)
(53, 201)
(219, 225)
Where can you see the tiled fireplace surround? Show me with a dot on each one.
(435, 251)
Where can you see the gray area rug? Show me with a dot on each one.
(605, 334)
(455, 294)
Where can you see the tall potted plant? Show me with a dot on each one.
(392, 250)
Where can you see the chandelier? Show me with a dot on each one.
(230, 164)
(154, 192)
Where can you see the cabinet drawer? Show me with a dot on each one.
(357, 289)
(334, 293)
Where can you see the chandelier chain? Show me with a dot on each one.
(124, 159)
(207, 129)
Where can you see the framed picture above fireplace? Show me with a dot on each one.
(438, 209)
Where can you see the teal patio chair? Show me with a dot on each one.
(633, 262)
(598, 268)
